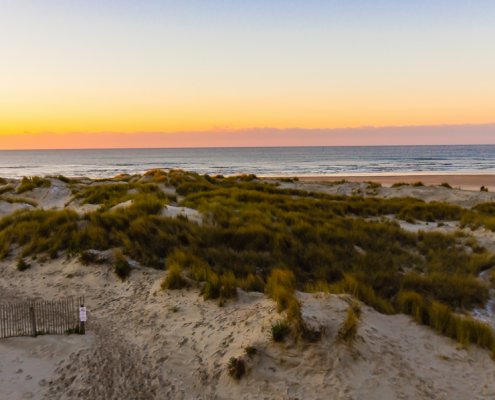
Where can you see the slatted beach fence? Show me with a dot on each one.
(32, 318)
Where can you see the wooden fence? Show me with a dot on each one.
(32, 318)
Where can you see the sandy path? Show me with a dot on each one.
(28, 365)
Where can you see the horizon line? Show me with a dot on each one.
(248, 147)
(408, 135)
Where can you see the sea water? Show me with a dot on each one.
(262, 161)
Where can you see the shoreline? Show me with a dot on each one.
(462, 181)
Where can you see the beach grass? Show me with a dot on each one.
(261, 237)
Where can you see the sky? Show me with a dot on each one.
(190, 73)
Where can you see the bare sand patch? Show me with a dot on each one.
(150, 344)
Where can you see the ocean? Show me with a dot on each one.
(262, 161)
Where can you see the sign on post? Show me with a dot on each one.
(82, 314)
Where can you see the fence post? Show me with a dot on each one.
(33, 320)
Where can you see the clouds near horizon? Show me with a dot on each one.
(365, 136)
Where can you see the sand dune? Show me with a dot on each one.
(144, 343)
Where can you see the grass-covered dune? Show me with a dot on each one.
(259, 237)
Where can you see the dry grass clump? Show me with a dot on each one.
(220, 287)
(280, 287)
(30, 183)
(364, 293)
(17, 199)
(37, 231)
(6, 188)
(464, 291)
(348, 331)
(236, 367)
(280, 330)
(174, 278)
(111, 194)
(317, 287)
(252, 283)
(482, 215)
(22, 265)
(250, 351)
(121, 265)
(440, 317)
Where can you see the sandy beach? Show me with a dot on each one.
(464, 181)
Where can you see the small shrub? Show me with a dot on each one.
(446, 185)
(121, 265)
(418, 184)
(236, 367)
(22, 265)
(174, 278)
(483, 189)
(280, 330)
(250, 351)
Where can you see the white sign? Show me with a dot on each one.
(82, 314)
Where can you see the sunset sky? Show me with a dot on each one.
(176, 73)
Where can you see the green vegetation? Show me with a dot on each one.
(236, 367)
(280, 330)
(482, 215)
(260, 237)
(6, 188)
(30, 183)
(111, 194)
(251, 351)
(280, 287)
(17, 199)
(22, 265)
(441, 318)
(348, 331)
(121, 265)
(174, 278)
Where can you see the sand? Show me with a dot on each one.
(431, 191)
(144, 343)
(464, 181)
(27, 365)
